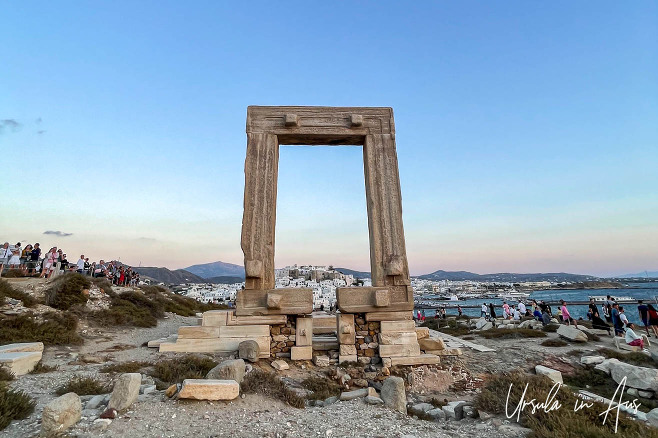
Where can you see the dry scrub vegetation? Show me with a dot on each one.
(269, 384)
(84, 386)
(563, 423)
(191, 366)
(14, 405)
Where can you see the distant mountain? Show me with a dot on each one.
(645, 274)
(505, 277)
(356, 274)
(225, 279)
(164, 275)
(217, 269)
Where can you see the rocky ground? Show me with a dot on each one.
(155, 415)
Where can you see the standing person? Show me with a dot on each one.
(643, 310)
(80, 266)
(459, 309)
(522, 309)
(483, 310)
(15, 259)
(34, 258)
(622, 316)
(5, 255)
(48, 262)
(616, 321)
(607, 311)
(25, 255)
(653, 319)
(566, 316)
(506, 312)
(492, 311)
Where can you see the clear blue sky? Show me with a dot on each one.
(527, 132)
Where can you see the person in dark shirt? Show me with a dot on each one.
(643, 310)
(34, 258)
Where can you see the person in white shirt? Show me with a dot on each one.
(5, 255)
(623, 317)
(522, 309)
(632, 338)
(80, 266)
(483, 310)
(517, 314)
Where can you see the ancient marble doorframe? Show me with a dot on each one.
(370, 127)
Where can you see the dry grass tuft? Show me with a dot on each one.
(6, 375)
(52, 328)
(125, 367)
(41, 368)
(633, 357)
(322, 388)
(269, 384)
(176, 370)
(448, 326)
(550, 328)
(14, 405)
(512, 333)
(554, 343)
(66, 291)
(84, 386)
(563, 423)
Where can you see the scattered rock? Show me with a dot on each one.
(147, 389)
(202, 389)
(436, 414)
(125, 392)
(571, 333)
(60, 414)
(228, 370)
(351, 395)
(421, 408)
(652, 417)
(470, 412)
(95, 402)
(642, 378)
(321, 361)
(374, 400)
(330, 400)
(394, 394)
(171, 391)
(280, 365)
(591, 360)
(514, 430)
(645, 394)
(455, 409)
(552, 374)
(101, 424)
(633, 392)
(249, 350)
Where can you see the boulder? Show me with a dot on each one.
(147, 389)
(20, 362)
(351, 395)
(95, 402)
(652, 417)
(642, 378)
(60, 414)
(552, 374)
(228, 370)
(394, 394)
(330, 400)
(591, 360)
(481, 323)
(421, 408)
(571, 333)
(100, 424)
(280, 365)
(487, 326)
(455, 409)
(125, 392)
(470, 412)
(604, 366)
(436, 414)
(249, 350)
(202, 389)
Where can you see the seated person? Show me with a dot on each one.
(632, 338)
(599, 324)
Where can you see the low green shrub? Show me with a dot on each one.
(322, 388)
(125, 367)
(176, 370)
(84, 386)
(52, 328)
(633, 357)
(269, 384)
(512, 333)
(66, 291)
(14, 405)
(550, 328)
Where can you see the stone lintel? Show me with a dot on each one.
(260, 302)
(373, 299)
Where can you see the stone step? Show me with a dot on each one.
(244, 331)
(20, 362)
(215, 345)
(421, 359)
(398, 326)
(197, 332)
(22, 347)
(324, 343)
(399, 350)
(301, 353)
(390, 316)
(206, 389)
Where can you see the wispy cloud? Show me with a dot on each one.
(10, 125)
(58, 233)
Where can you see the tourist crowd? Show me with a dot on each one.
(29, 261)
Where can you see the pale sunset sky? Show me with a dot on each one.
(527, 131)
